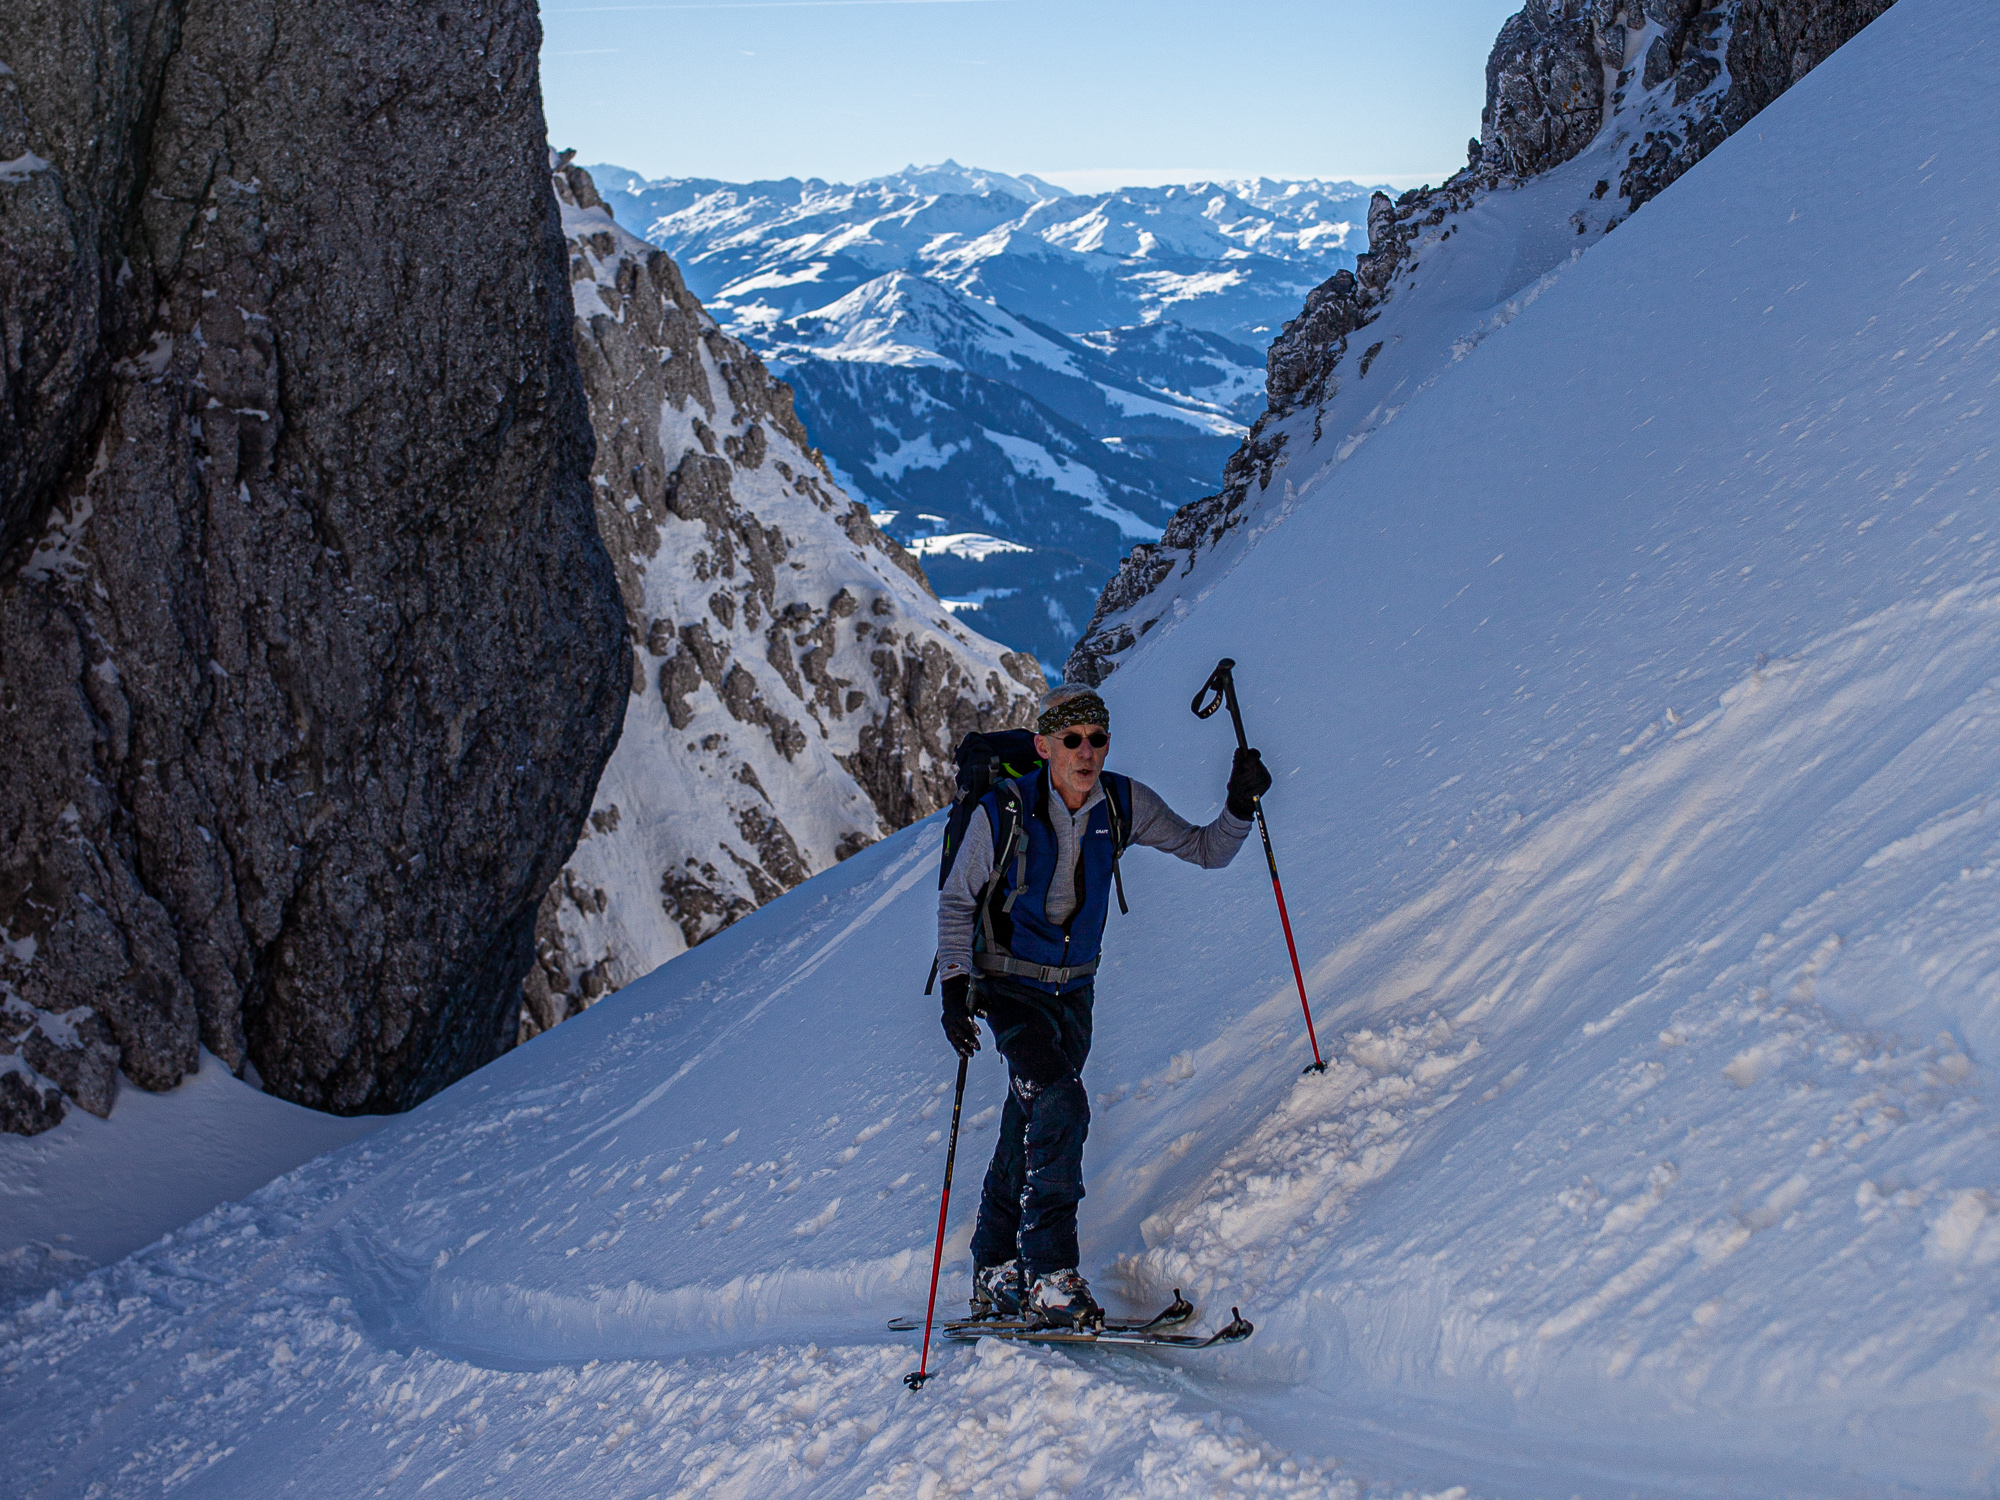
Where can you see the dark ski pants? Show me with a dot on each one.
(1028, 1206)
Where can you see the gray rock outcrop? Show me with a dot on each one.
(1654, 84)
(309, 651)
(1544, 86)
(796, 688)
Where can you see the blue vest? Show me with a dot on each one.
(1015, 936)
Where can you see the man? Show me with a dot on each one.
(1018, 939)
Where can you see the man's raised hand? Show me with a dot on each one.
(1248, 780)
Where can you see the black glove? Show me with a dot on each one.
(1248, 780)
(959, 1027)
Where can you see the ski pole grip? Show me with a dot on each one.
(1235, 713)
(1218, 684)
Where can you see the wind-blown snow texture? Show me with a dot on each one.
(1635, 719)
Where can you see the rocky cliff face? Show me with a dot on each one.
(1593, 107)
(309, 651)
(1699, 69)
(796, 689)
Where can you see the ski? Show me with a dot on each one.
(1177, 1312)
(1237, 1329)
(1154, 1332)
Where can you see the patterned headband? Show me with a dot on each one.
(1085, 708)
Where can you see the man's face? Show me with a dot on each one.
(1074, 762)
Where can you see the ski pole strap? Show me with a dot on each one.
(1004, 963)
(1218, 684)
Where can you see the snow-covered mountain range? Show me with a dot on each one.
(989, 356)
(1233, 258)
(1633, 703)
(796, 689)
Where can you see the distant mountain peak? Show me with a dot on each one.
(900, 318)
(948, 176)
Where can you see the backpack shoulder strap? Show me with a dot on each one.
(1010, 838)
(1118, 801)
(1010, 841)
(1118, 792)
(954, 835)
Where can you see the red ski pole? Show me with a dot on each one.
(1222, 683)
(916, 1378)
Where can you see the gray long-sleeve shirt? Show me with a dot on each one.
(1154, 824)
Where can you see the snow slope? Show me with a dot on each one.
(92, 1191)
(1633, 700)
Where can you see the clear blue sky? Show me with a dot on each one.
(1089, 93)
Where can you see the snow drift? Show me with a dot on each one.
(1633, 703)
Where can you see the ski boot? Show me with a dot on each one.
(996, 1291)
(1062, 1299)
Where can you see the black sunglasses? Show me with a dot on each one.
(1075, 741)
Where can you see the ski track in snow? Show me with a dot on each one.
(286, 1331)
(1635, 707)
(788, 1419)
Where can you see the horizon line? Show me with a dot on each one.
(1107, 179)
